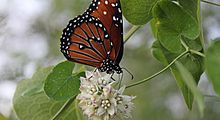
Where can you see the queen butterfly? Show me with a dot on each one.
(95, 38)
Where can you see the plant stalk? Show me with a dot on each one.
(211, 3)
(130, 33)
(197, 53)
(161, 71)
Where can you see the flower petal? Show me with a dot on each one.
(100, 111)
(111, 110)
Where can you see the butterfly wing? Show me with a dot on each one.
(96, 35)
(85, 40)
(110, 14)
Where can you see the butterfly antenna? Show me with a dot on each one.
(132, 77)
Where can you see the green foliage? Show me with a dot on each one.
(190, 6)
(191, 84)
(138, 12)
(173, 23)
(212, 63)
(61, 84)
(192, 62)
(37, 106)
(173, 36)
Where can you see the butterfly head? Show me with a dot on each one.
(110, 67)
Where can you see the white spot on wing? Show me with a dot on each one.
(113, 5)
(106, 2)
(114, 18)
(119, 10)
(104, 12)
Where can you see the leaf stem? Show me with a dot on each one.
(197, 53)
(184, 45)
(211, 3)
(130, 33)
(161, 71)
(64, 107)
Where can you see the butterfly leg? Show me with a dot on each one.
(112, 77)
(120, 80)
(95, 70)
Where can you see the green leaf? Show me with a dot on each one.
(154, 27)
(158, 53)
(37, 87)
(190, 6)
(172, 23)
(193, 63)
(61, 83)
(187, 94)
(165, 57)
(190, 82)
(69, 111)
(138, 12)
(193, 44)
(212, 63)
(38, 106)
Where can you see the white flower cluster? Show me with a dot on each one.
(100, 101)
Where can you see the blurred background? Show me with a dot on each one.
(29, 39)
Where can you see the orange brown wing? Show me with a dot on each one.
(85, 40)
(96, 35)
(110, 14)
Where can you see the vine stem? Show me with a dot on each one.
(131, 32)
(212, 3)
(191, 50)
(197, 53)
(161, 71)
(65, 106)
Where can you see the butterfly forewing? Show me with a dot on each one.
(109, 13)
(96, 35)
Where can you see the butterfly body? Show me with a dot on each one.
(95, 37)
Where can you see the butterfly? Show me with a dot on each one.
(95, 38)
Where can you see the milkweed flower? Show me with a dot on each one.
(100, 101)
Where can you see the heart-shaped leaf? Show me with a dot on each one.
(36, 105)
(138, 12)
(172, 23)
(191, 6)
(61, 83)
